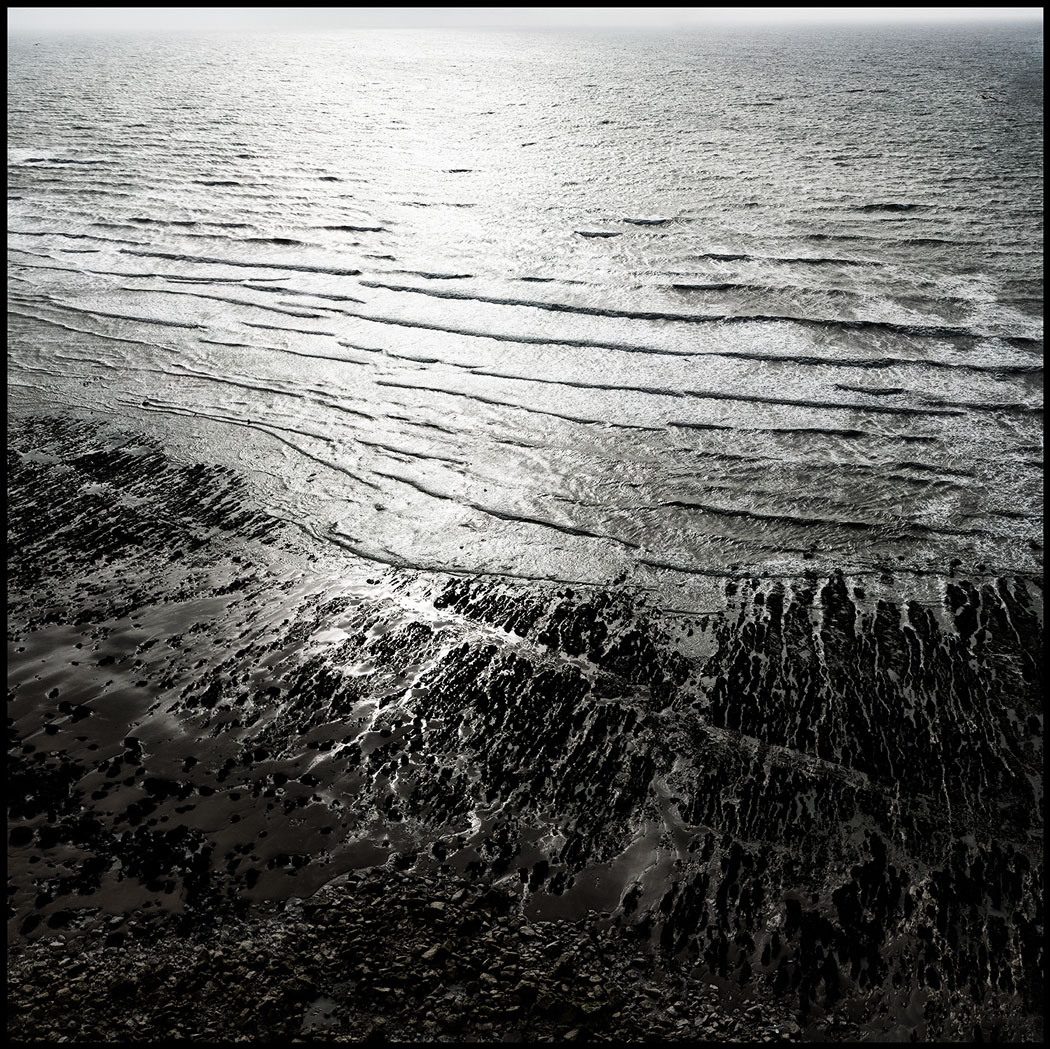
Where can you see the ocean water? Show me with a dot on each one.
(650, 308)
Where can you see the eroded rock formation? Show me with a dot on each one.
(827, 789)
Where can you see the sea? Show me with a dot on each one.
(574, 306)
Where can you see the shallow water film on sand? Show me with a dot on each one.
(569, 503)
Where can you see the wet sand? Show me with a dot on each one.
(815, 802)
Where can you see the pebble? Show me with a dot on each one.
(249, 980)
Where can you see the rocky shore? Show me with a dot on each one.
(262, 790)
(378, 956)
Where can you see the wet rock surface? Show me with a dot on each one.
(387, 804)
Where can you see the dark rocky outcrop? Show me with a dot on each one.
(819, 800)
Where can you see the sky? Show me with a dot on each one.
(104, 19)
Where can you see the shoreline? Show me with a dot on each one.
(211, 723)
